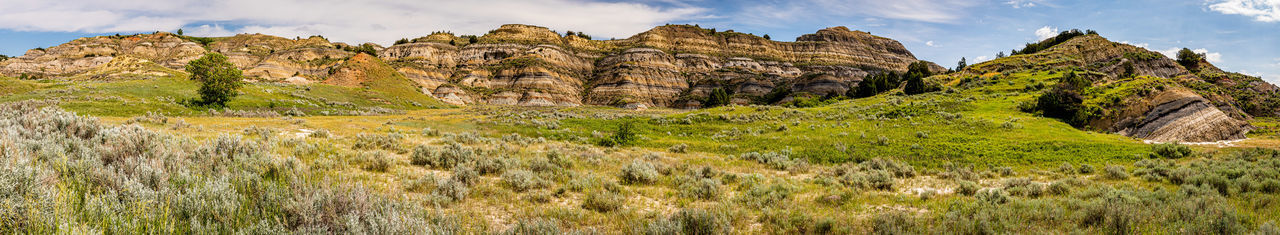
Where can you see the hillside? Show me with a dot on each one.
(1131, 91)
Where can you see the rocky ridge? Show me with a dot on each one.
(668, 66)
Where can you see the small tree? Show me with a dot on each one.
(179, 32)
(1188, 58)
(1000, 55)
(916, 72)
(472, 39)
(718, 97)
(961, 65)
(218, 78)
(766, 37)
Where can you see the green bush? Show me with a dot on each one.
(537, 226)
(638, 172)
(1086, 169)
(993, 196)
(378, 161)
(690, 221)
(1171, 151)
(967, 188)
(520, 180)
(1115, 172)
(625, 135)
(893, 223)
(699, 188)
(603, 201)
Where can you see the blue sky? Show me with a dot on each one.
(1238, 35)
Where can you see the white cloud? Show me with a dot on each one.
(1020, 3)
(930, 43)
(1142, 45)
(380, 21)
(1046, 32)
(980, 59)
(933, 11)
(1212, 57)
(1260, 10)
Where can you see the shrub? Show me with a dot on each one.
(638, 172)
(689, 221)
(493, 165)
(377, 161)
(603, 201)
(1115, 172)
(893, 223)
(678, 148)
(718, 97)
(1059, 188)
(967, 188)
(537, 226)
(1066, 168)
(696, 221)
(993, 196)
(218, 78)
(700, 188)
(451, 155)
(776, 160)
(465, 174)
(422, 184)
(453, 189)
(1171, 151)
(320, 134)
(625, 135)
(389, 142)
(520, 180)
(1086, 169)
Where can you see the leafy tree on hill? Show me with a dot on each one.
(766, 37)
(472, 39)
(218, 79)
(1032, 48)
(402, 41)
(1188, 58)
(583, 35)
(961, 65)
(1000, 54)
(916, 72)
(877, 83)
(179, 32)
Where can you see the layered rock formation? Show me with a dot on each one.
(84, 54)
(672, 66)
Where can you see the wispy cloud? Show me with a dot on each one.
(341, 20)
(1260, 10)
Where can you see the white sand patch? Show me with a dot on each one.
(303, 133)
(1220, 143)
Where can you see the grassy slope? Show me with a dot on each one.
(137, 97)
(981, 126)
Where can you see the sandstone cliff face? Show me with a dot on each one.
(669, 66)
(81, 55)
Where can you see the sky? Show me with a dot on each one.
(1237, 35)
